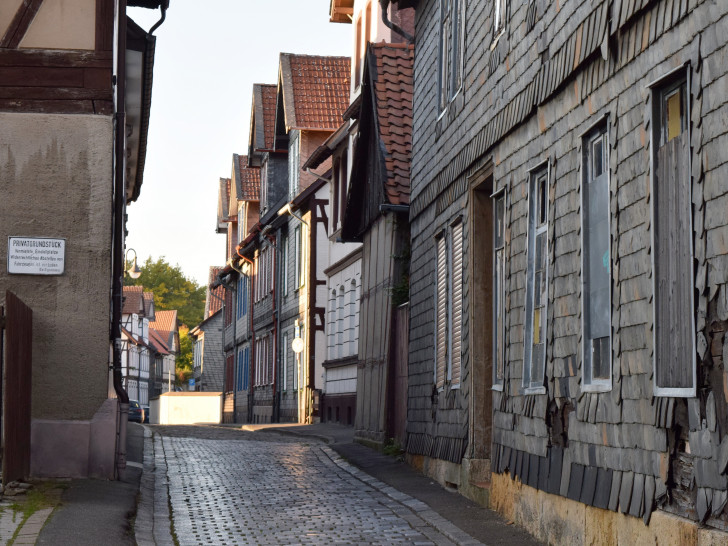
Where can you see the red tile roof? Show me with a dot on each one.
(393, 88)
(247, 179)
(157, 342)
(263, 117)
(165, 324)
(133, 300)
(315, 90)
(213, 301)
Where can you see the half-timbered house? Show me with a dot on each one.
(75, 96)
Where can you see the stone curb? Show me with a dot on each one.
(419, 508)
(152, 525)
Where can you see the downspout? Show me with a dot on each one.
(394, 26)
(251, 329)
(311, 327)
(117, 269)
(158, 24)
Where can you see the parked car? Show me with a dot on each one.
(146, 413)
(136, 412)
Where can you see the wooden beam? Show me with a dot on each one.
(20, 23)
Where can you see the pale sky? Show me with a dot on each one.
(207, 60)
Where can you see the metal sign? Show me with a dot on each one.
(297, 345)
(36, 256)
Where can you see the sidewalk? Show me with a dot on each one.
(94, 512)
(449, 508)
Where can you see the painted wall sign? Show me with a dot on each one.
(36, 256)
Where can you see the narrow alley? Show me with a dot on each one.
(287, 486)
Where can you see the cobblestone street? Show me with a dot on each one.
(233, 487)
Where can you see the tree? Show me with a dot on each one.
(185, 361)
(172, 290)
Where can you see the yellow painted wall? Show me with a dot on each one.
(558, 520)
(62, 24)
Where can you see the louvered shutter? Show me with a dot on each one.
(457, 303)
(441, 321)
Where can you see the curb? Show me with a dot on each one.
(419, 508)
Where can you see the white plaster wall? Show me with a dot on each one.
(63, 24)
(341, 380)
(56, 181)
(186, 408)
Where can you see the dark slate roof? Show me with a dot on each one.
(391, 74)
(315, 90)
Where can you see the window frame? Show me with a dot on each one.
(666, 83)
(500, 20)
(528, 386)
(450, 67)
(599, 131)
(294, 165)
(498, 291)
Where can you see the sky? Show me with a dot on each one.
(207, 60)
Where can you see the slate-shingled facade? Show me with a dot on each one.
(507, 147)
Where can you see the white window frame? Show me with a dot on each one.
(528, 385)
(500, 14)
(589, 383)
(499, 291)
(665, 82)
(284, 263)
(450, 67)
(293, 166)
(284, 368)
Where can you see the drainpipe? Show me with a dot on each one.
(251, 330)
(117, 269)
(394, 26)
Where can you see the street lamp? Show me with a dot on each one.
(134, 271)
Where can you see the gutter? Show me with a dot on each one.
(117, 269)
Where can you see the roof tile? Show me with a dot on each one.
(213, 301)
(315, 90)
(393, 88)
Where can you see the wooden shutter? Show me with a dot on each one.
(674, 315)
(441, 320)
(457, 303)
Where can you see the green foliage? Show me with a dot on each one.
(172, 290)
(184, 361)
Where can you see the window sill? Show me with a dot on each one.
(534, 390)
(597, 387)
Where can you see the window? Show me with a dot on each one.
(284, 262)
(241, 370)
(448, 305)
(284, 366)
(299, 278)
(246, 367)
(246, 293)
(499, 292)
(499, 17)
(293, 166)
(534, 360)
(358, 54)
(240, 296)
(332, 326)
(340, 323)
(241, 222)
(451, 50)
(672, 243)
(596, 264)
(353, 319)
(264, 185)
